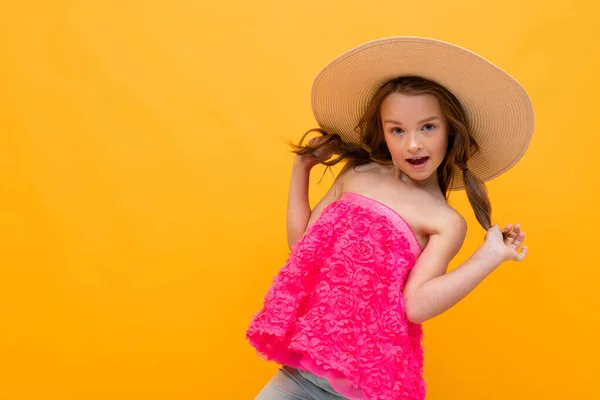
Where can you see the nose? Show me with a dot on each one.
(414, 144)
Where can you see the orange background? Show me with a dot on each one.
(144, 184)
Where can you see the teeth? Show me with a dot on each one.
(417, 160)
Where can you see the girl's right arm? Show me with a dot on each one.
(298, 209)
(429, 290)
(299, 214)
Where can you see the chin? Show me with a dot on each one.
(421, 176)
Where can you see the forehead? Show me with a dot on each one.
(411, 105)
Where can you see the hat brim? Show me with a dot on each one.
(498, 108)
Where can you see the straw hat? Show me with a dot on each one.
(498, 109)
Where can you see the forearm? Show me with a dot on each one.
(441, 293)
(298, 209)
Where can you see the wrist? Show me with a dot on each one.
(301, 163)
(491, 253)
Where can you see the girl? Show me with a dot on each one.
(414, 118)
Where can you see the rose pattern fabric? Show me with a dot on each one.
(336, 307)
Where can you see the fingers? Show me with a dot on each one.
(319, 139)
(505, 234)
(320, 149)
(513, 235)
(516, 238)
(523, 253)
(518, 241)
(515, 231)
(314, 141)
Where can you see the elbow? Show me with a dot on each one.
(292, 243)
(294, 237)
(292, 240)
(413, 312)
(415, 317)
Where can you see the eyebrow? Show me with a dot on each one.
(391, 121)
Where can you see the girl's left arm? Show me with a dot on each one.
(430, 291)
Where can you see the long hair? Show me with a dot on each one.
(461, 145)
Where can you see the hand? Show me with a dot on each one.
(324, 152)
(506, 249)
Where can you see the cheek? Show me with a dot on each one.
(395, 149)
(442, 146)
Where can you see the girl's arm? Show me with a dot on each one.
(430, 291)
(299, 215)
(298, 208)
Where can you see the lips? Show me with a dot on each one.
(416, 161)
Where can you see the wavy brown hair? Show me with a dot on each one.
(461, 145)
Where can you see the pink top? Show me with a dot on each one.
(336, 307)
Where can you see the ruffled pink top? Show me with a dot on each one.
(336, 307)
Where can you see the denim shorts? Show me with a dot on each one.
(293, 384)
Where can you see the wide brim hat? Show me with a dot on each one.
(498, 109)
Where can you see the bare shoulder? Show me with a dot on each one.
(452, 217)
(352, 172)
(334, 193)
(348, 171)
(450, 223)
(368, 167)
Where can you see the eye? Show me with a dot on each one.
(397, 131)
(430, 126)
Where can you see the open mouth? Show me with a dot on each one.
(416, 161)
